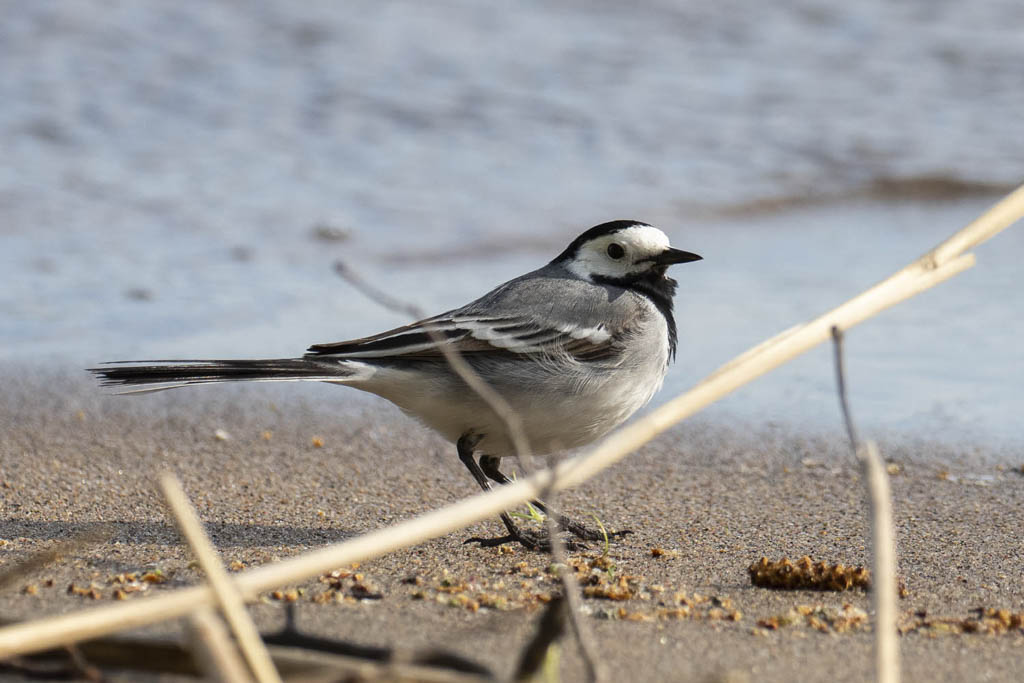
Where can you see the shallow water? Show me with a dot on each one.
(167, 167)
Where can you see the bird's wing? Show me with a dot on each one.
(469, 334)
(543, 313)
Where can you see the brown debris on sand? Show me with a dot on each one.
(806, 574)
(819, 617)
(984, 620)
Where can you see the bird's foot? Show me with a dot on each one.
(539, 542)
(583, 532)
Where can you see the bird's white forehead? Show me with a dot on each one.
(642, 238)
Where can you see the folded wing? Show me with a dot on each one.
(470, 335)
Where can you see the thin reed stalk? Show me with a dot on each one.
(213, 650)
(226, 592)
(883, 539)
(883, 585)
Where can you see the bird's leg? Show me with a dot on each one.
(466, 445)
(489, 466)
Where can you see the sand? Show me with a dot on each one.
(714, 498)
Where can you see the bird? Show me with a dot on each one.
(574, 348)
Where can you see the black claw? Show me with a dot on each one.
(528, 541)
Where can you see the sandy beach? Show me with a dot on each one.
(293, 470)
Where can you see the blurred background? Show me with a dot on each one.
(179, 177)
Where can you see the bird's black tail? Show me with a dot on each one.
(168, 374)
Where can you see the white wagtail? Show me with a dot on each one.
(575, 348)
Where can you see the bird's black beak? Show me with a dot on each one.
(671, 256)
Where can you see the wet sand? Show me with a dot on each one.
(715, 498)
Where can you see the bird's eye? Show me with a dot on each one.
(616, 251)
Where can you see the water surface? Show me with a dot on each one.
(167, 168)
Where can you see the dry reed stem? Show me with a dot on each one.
(884, 587)
(595, 670)
(883, 542)
(934, 267)
(230, 600)
(213, 650)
